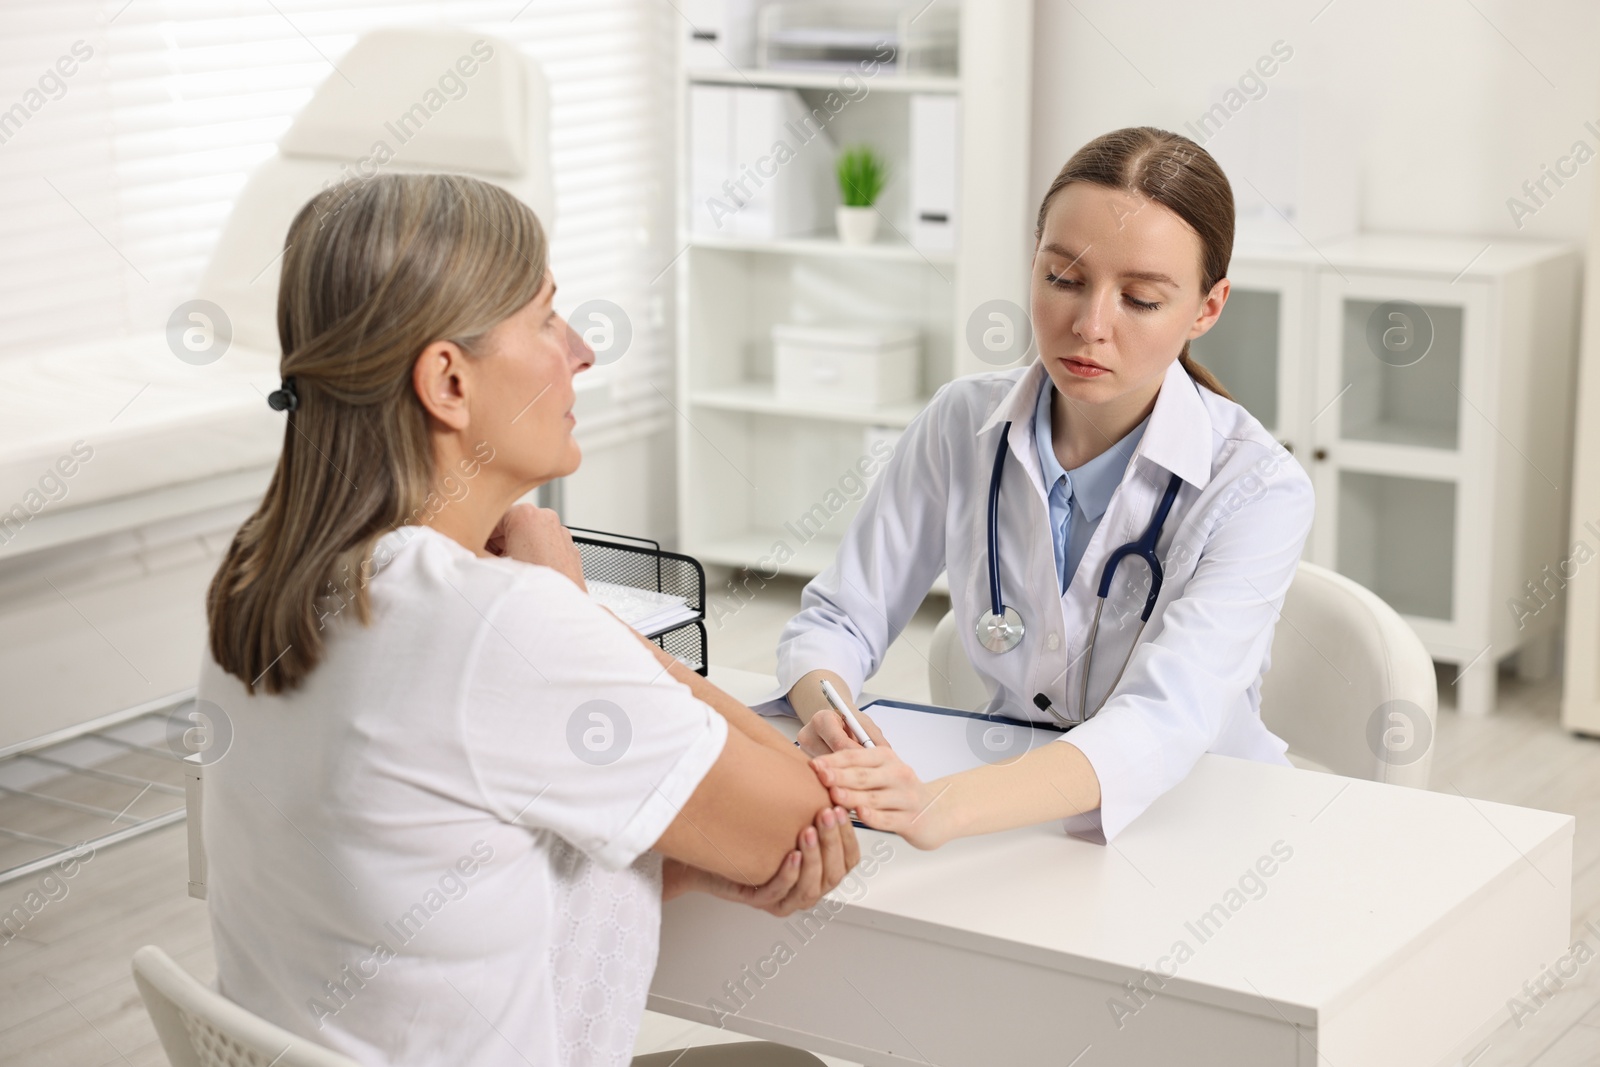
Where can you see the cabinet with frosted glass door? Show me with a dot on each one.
(1440, 440)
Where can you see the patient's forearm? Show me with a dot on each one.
(738, 715)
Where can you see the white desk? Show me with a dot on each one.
(1392, 935)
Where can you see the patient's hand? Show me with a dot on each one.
(827, 852)
(535, 535)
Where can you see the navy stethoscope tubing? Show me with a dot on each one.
(1145, 549)
(1001, 628)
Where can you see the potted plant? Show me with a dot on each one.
(862, 174)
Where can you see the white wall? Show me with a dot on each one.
(1453, 104)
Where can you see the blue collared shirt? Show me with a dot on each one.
(1078, 497)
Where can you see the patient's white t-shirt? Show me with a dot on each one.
(434, 851)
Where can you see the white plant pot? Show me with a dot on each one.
(856, 225)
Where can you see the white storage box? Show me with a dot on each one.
(844, 366)
(721, 33)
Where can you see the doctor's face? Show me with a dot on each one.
(1115, 293)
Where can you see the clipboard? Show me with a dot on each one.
(935, 741)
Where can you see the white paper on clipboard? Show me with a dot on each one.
(936, 741)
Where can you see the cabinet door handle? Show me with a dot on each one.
(1320, 454)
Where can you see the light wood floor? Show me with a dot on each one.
(67, 997)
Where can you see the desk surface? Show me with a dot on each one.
(1363, 877)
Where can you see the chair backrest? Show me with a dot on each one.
(201, 1028)
(401, 100)
(951, 680)
(1350, 685)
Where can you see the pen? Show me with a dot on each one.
(849, 716)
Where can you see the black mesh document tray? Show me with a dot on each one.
(644, 564)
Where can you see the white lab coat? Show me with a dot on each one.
(1229, 550)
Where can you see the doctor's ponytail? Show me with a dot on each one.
(1173, 171)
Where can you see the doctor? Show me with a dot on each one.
(1026, 484)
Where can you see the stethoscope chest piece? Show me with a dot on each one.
(1002, 632)
(1000, 628)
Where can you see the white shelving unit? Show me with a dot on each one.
(1441, 455)
(771, 485)
(824, 80)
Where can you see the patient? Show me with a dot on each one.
(457, 790)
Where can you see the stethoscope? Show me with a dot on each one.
(1001, 628)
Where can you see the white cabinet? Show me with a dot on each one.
(1260, 348)
(1426, 385)
(768, 484)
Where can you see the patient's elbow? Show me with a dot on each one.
(793, 798)
(747, 814)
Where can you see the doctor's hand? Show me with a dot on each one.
(826, 852)
(535, 535)
(885, 794)
(825, 730)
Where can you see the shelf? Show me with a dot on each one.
(1412, 461)
(753, 549)
(824, 245)
(760, 398)
(1407, 434)
(828, 79)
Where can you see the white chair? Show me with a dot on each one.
(951, 680)
(497, 129)
(1350, 687)
(202, 436)
(182, 452)
(199, 1027)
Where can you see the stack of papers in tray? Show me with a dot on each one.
(645, 610)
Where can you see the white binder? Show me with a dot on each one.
(787, 176)
(935, 135)
(710, 159)
(759, 166)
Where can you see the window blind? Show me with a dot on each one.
(117, 177)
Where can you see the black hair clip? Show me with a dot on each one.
(284, 397)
